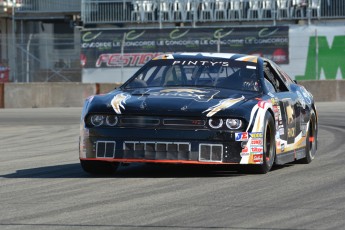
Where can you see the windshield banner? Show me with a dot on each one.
(133, 48)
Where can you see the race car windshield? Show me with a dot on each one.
(188, 73)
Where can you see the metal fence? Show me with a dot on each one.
(146, 11)
(43, 58)
(48, 6)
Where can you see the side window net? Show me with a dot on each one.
(274, 79)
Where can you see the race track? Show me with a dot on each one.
(43, 187)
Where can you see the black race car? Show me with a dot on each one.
(201, 108)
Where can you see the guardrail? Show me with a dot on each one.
(146, 11)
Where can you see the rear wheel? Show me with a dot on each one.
(310, 148)
(99, 167)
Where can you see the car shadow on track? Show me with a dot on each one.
(133, 171)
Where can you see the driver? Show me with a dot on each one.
(249, 79)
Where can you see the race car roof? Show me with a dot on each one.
(229, 56)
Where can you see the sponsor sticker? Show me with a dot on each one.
(262, 104)
(256, 142)
(256, 135)
(258, 158)
(256, 149)
(281, 130)
(245, 149)
(241, 136)
(274, 101)
(276, 109)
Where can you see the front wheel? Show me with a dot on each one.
(269, 145)
(269, 148)
(99, 167)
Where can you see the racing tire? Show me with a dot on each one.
(99, 167)
(269, 148)
(311, 141)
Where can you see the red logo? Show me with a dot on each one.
(256, 142)
(257, 158)
(257, 150)
(126, 60)
(262, 104)
(279, 56)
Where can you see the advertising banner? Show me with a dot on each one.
(134, 47)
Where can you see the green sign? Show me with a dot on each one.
(324, 61)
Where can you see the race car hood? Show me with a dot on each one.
(172, 101)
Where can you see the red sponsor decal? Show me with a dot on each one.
(275, 109)
(245, 149)
(257, 158)
(256, 142)
(257, 150)
(262, 104)
(126, 60)
(279, 56)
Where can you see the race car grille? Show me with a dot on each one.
(184, 122)
(211, 152)
(163, 123)
(105, 149)
(157, 150)
(139, 121)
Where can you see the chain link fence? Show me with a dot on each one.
(41, 57)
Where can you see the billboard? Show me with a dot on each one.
(134, 47)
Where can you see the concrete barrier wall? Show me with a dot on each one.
(326, 90)
(107, 87)
(41, 95)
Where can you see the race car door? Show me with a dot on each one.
(288, 110)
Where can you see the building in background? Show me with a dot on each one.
(39, 40)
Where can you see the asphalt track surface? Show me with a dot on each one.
(43, 187)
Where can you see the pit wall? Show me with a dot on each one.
(43, 95)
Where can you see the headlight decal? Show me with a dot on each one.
(233, 123)
(215, 123)
(98, 120)
(225, 123)
(111, 120)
